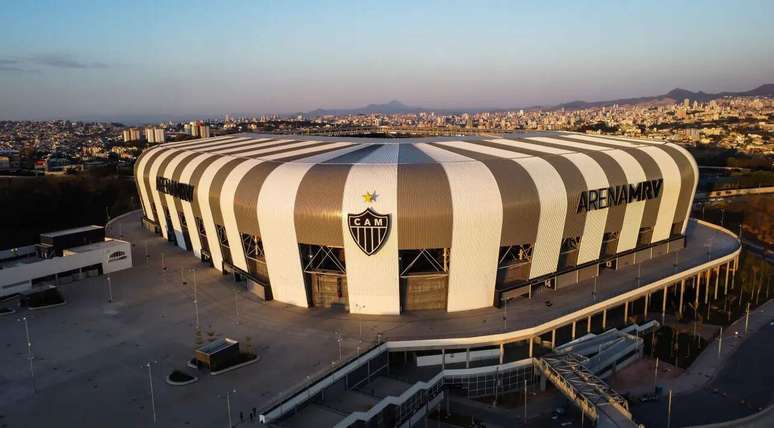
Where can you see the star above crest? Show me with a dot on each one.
(369, 197)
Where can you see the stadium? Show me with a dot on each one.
(383, 226)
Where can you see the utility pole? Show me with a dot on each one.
(594, 293)
(196, 300)
(747, 319)
(505, 314)
(228, 407)
(236, 306)
(153, 398)
(110, 289)
(339, 339)
(29, 353)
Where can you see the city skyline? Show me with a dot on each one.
(72, 61)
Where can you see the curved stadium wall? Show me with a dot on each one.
(381, 226)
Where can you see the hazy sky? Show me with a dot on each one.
(76, 59)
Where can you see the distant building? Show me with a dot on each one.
(131, 134)
(155, 135)
(204, 131)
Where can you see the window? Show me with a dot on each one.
(570, 244)
(514, 255)
(316, 258)
(222, 238)
(253, 247)
(183, 223)
(200, 227)
(116, 256)
(428, 260)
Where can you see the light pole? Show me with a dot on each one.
(29, 352)
(505, 314)
(228, 407)
(236, 305)
(361, 308)
(669, 410)
(594, 293)
(196, 301)
(153, 398)
(339, 339)
(110, 289)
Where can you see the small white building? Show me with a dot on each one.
(27, 268)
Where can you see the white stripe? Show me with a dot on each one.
(603, 140)
(154, 170)
(173, 215)
(190, 218)
(373, 282)
(630, 229)
(141, 167)
(476, 229)
(188, 143)
(203, 196)
(595, 178)
(553, 211)
(228, 195)
(227, 201)
(275, 208)
(695, 168)
(256, 143)
(553, 206)
(530, 146)
(492, 151)
(594, 226)
(670, 193)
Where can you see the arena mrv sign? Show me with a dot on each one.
(605, 197)
(175, 189)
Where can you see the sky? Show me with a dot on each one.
(119, 59)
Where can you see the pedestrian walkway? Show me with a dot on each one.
(716, 354)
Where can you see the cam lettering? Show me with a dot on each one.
(175, 189)
(368, 222)
(606, 197)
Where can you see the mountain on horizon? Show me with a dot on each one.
(673, 96)
(392, 107)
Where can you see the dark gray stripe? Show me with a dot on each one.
(246, 198)
(317, 209)
(521, 203)
(425, 211)
(216, 188)
(615, 176)
(574, 184)
(649, 166)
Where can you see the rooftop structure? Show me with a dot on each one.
(383, 226)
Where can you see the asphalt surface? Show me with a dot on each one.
(742, 387)
(90, 355)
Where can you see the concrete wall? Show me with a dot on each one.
(17, 279)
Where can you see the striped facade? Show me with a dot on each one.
(469, 217)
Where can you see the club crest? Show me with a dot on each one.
(369, 229)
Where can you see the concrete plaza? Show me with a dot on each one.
(90, 355)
